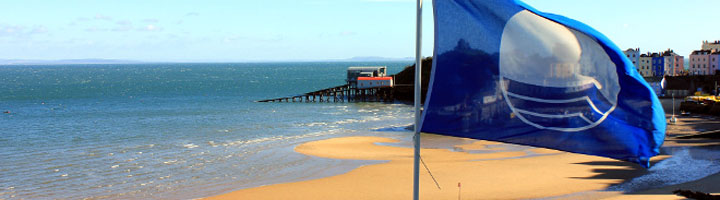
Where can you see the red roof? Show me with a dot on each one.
(374, 78)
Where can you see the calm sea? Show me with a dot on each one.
(182, 131)
(174, 131)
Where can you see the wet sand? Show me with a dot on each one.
(499, 174)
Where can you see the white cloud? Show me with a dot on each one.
(7, 30)
(347, 33)
(123, 22)
(151, 27)
(122, 26)
(102, 17)
(191, 14)
(233, 38)
(95, 29)
(11, 29)
(38, 29)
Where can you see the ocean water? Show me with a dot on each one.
(173, 131)
(183, 131)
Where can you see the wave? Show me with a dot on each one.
(275, 138)
(352, 120)
(396, 128)
(679, 168)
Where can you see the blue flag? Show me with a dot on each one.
(503, 71)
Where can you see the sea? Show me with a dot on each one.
(175, 130)
(192, 130)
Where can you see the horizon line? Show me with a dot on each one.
(129, 61)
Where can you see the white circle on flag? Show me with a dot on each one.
(553, 77)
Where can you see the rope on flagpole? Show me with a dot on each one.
(431, 176)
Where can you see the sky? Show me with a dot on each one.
(297, 30)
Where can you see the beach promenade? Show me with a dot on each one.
(490, 170)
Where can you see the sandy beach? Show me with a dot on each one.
(501, 174)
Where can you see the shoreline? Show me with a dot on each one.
(486, 170)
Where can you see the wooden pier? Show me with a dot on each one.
(343, 93)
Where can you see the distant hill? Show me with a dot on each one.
(65, 62)
(377, 58)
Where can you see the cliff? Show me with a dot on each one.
(405, 81)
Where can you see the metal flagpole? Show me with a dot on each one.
(673, 119)
(418, 82)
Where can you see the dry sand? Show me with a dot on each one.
(501, 175)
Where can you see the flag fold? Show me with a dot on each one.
(503, 71)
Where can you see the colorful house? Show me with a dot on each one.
(711, 46)
(674, 64)
(645, 65)
(714, 61)
(700, 63)
(634, 56)
(658, 64)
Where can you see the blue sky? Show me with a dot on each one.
(280, 30)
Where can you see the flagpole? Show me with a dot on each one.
(418, 96)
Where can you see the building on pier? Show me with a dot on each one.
(354, 72)
(374, 82)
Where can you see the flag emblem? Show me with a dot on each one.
(562, 70)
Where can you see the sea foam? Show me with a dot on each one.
(679, 168)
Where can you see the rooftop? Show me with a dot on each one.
(631, 49)
(700, 52)
(669, 52)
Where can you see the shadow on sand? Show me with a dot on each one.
(694, 163)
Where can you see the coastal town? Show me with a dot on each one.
(684, 76)
(704, 61)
